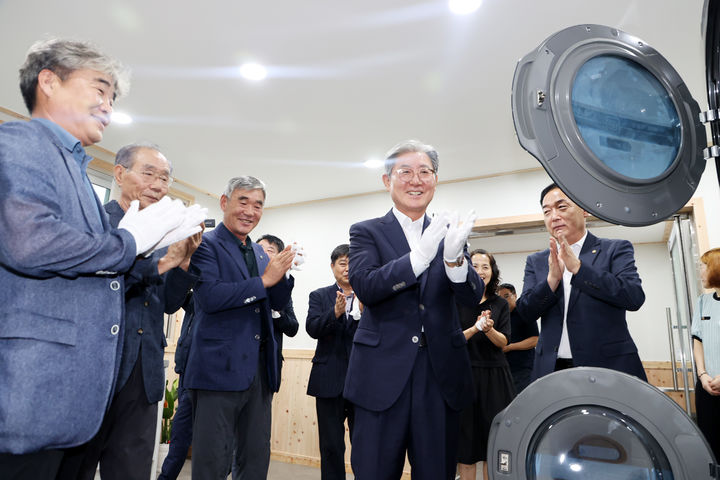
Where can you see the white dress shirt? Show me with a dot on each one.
(564, 347)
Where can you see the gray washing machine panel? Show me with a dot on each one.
(594, 423)
(612, 123)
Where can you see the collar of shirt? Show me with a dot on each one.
(411, 229)
(70, 143)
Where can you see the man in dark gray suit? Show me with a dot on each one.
(61, 262)
(159, 284)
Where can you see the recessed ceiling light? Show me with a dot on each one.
(373, 163)
(121, 118)
(464, 7)
(253, 71)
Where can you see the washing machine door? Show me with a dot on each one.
(596, 424)
(612, 123)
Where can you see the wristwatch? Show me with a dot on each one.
(456, 263)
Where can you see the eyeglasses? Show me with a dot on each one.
(423, 174)
(149, 176)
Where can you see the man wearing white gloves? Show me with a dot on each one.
(61, 262)
(156, 284)
(409, 371)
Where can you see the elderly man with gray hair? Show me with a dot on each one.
(232, 370)
(158, 284)
(61, 262)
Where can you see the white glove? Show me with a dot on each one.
(481, 323)
(457, 236)
(426, 248)
(149, 225)
(194, 215)
(355, 312)
(299, 258)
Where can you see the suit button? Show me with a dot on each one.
(422, 307)
(146, 303)
(257, 310)
(415, 339)
(114, 329)
(257, 336)
(114, 285)
(140, 331)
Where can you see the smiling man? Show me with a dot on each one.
(61, 261)
(232, 368)
(581, 288)
(409, 370)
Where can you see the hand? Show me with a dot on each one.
(430, 240)
(340, 304)
(299, 257)
(149, 225)
(277, 267)
(193, 222)
(555, 266)
(567, 256)
(713, 384)
(484, 323)
(457, 236)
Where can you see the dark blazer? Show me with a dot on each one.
(605, 287)
(147, 298)
(62, 298)
(396, 306)
(285, 324)
(334, 342)
(231, 308)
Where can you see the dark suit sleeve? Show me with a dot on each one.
(537, 297)
(619, 286)
(178, 283)
(287, 323)
(214, 294)
(373, 281)
(321, 318)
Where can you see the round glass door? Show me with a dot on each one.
(611, 122)
(590, 442)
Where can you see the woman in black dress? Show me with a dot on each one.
(487, 329)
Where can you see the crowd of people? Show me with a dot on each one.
(419, 345)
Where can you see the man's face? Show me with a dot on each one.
(340, 270)
(412, 195)
(147, 180)
(269, 248)
(562, 217)
(242, 211)
(81, 104)
(509, 296)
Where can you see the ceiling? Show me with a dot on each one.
(346, 79)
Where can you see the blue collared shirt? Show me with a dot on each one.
(73, 146)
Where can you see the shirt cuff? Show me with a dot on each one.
(457, 274)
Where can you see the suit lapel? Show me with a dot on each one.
(228, 242)
(91, 208)
(395, 235)
(424, 276)
(589, 252)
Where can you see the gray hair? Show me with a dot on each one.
(64, 57)
(126, 155)
(409, 146)
(244, 183)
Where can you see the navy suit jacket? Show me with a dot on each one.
(396, 305)
(62, 302)
(147, 298)
(334, 342)
(230, 310)
(605, 287)
(285, 324)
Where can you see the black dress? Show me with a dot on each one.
(492, 381)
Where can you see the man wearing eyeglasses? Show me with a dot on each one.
(159, 284)
(409, 371)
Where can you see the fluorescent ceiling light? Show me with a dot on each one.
(121, 118)
(373, 163)
(464, 7)
(253, 71)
